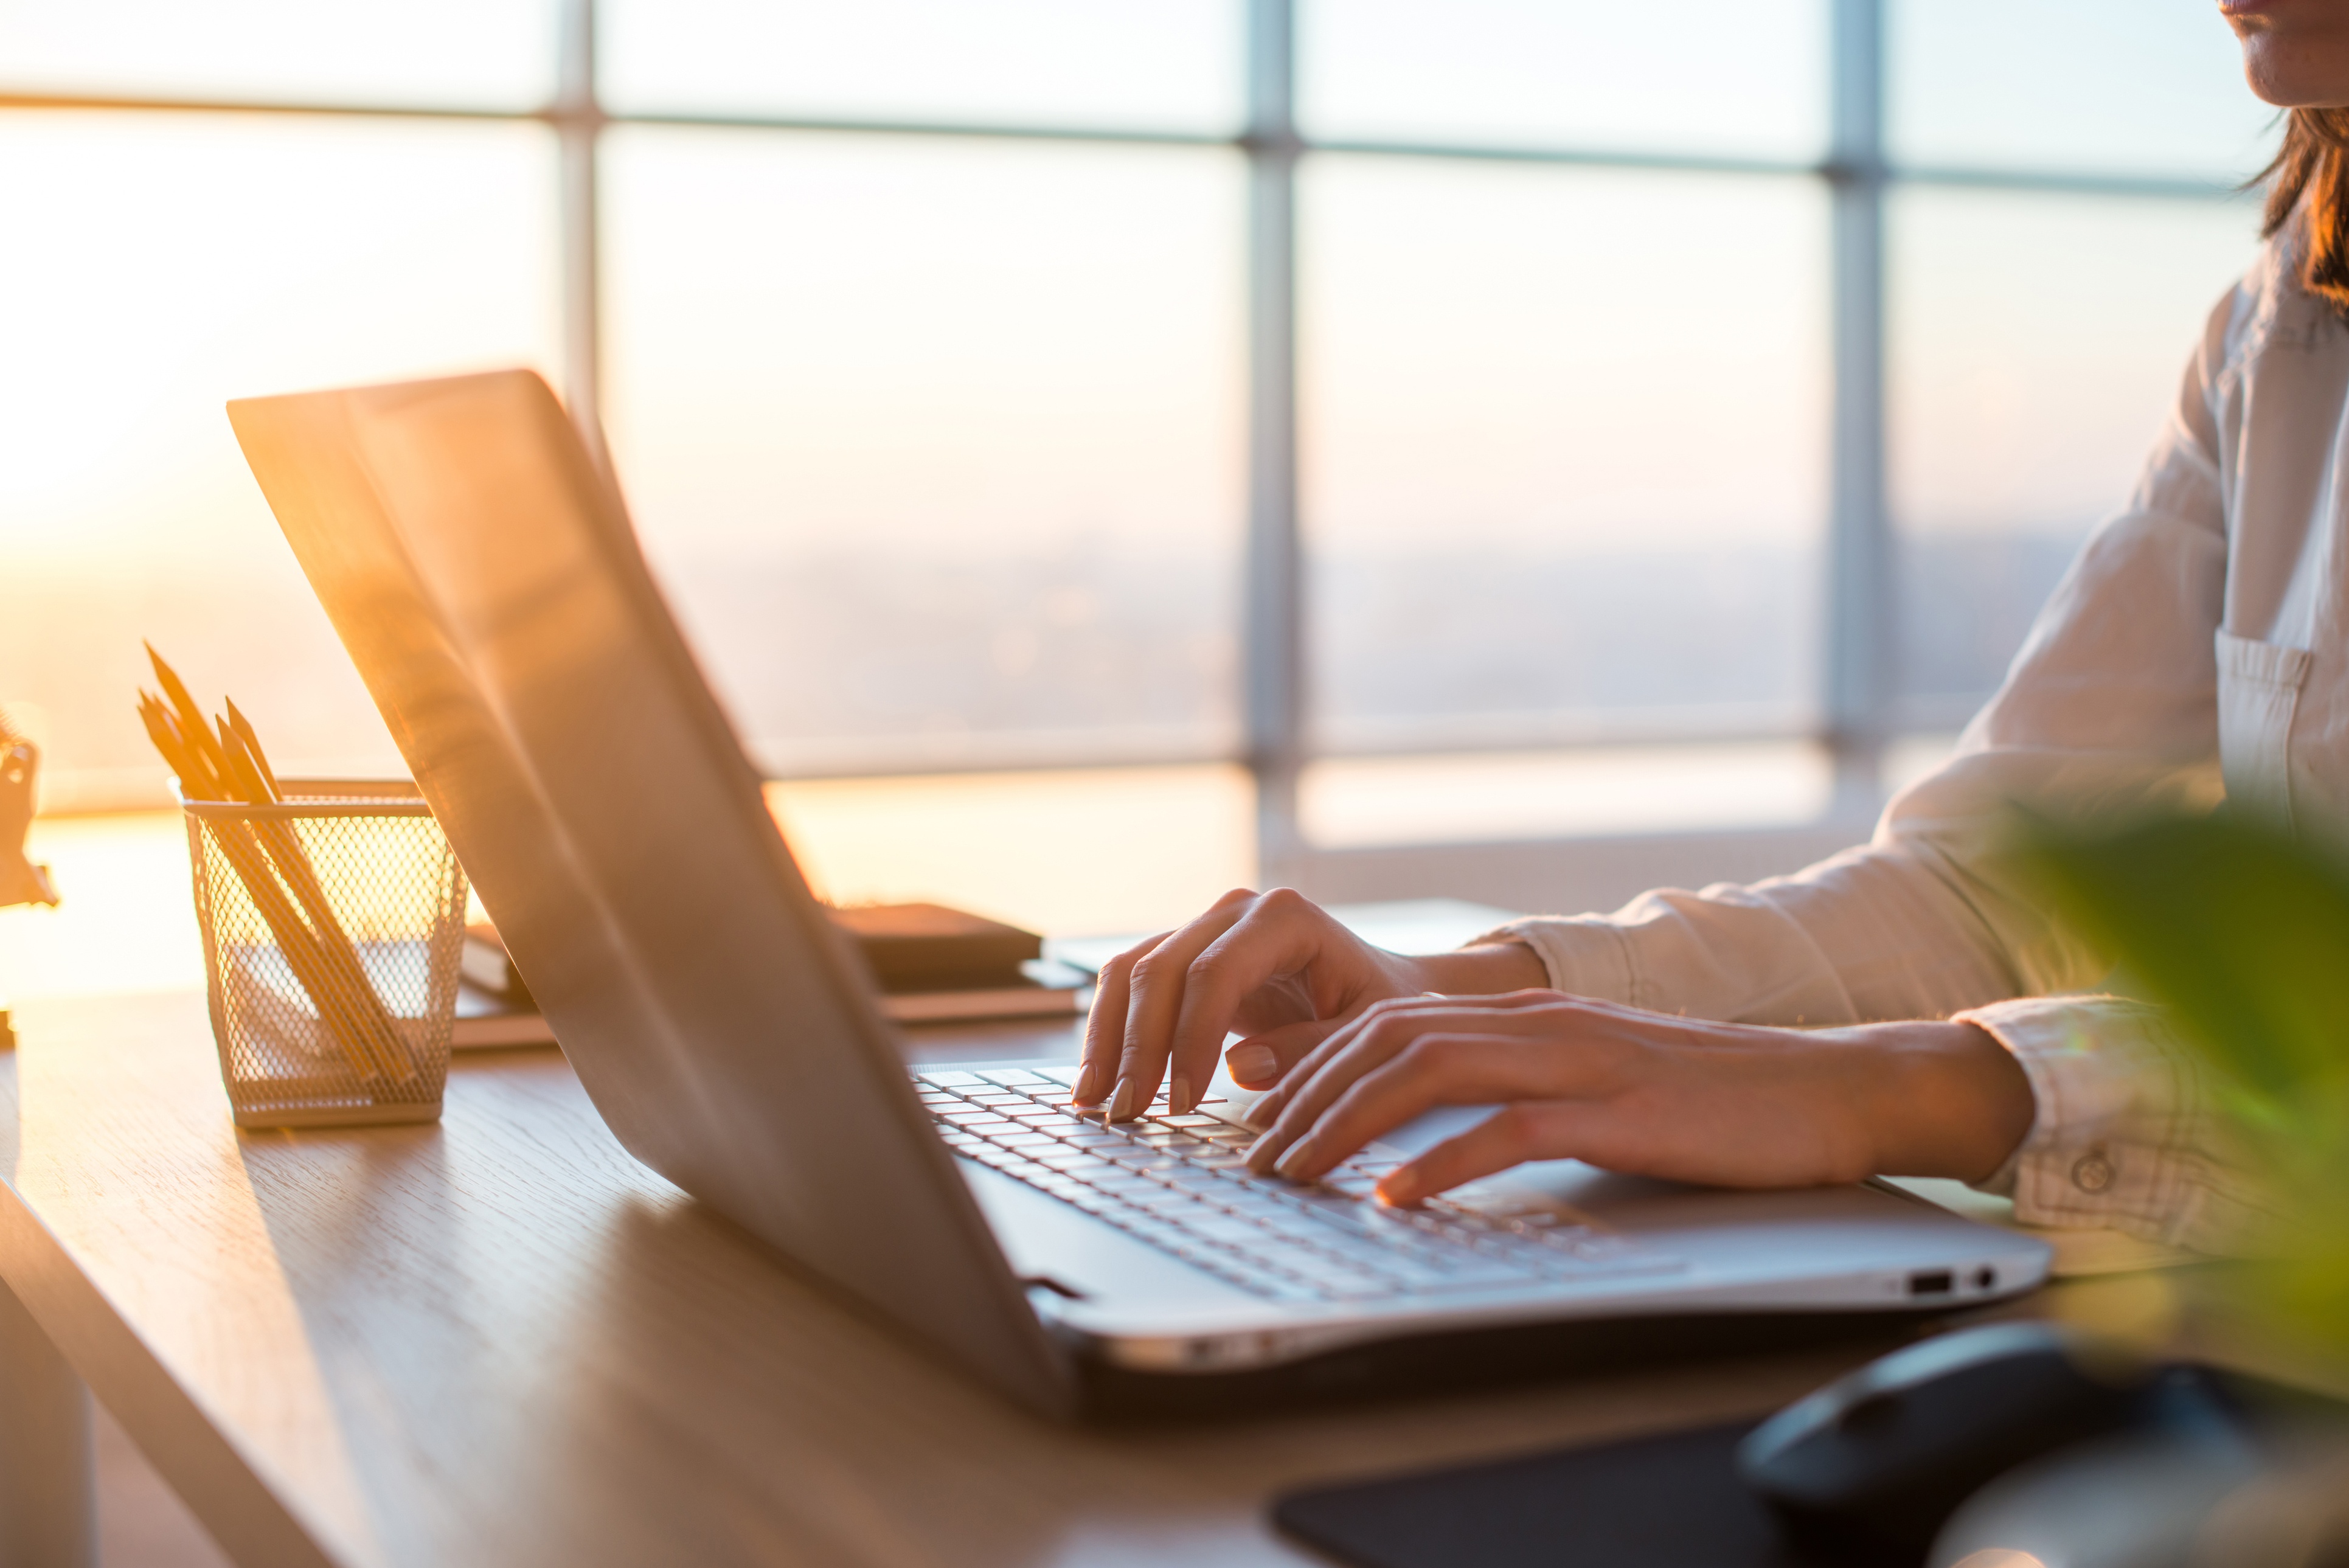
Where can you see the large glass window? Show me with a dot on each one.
(1559, 479)
(1738, 78)
(230, 255)
(1142, 65)
(979, 370)
(936, 443)
(2039, 343)
(440, 53)
(2136, 87)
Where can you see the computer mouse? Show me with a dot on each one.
(1883, 1456)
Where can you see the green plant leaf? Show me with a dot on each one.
(2240, 931)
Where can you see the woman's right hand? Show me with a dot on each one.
(1273, 967)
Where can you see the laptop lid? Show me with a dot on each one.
(483, 577)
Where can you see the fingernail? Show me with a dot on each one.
(1294, 1159)
(1121, 1101)
(1259, 1155)
(1398, 1188)
(1084, 1093)
(1178, 1096)
(1263, 1113)
(1253, 1064)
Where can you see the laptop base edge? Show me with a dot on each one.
(1462, 1361)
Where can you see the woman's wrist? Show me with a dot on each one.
(1944, 1100)
(1486, 969)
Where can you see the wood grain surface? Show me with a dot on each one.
(499, 1340)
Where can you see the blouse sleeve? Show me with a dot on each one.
(2124, 1134)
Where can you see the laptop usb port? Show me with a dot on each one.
(1933, 1281)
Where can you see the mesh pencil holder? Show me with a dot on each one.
(333, 926)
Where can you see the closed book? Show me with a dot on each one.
(930, 947)
(487, 966)
(934, 966)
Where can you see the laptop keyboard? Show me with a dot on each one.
(1179, 1183)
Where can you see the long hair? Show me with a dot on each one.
(2311, 169)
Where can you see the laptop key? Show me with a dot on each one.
(1178, 1185)
(1225, 1228)
(1478, 1277)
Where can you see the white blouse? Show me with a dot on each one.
(2195, 649)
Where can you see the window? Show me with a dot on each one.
(1450, 413)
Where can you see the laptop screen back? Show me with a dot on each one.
(484, 579)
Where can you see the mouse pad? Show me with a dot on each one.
(1670, 1501)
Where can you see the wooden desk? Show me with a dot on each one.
(499, 1340)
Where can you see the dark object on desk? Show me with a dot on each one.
(909, 947)
(1885, 1454)
(486, 1021)
(1672, 1501)
(488, 968)
(490, 1020)
(1680, 1500)
(938, 965)
(934, 965)
(930, 947)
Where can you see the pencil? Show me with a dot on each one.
(245, 856)
(251, 779)
(267, 858)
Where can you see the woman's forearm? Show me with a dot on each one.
(1484, 971)
(1940, 1099)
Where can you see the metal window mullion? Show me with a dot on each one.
(578, 124)
(1273, 641)
(1858, 685)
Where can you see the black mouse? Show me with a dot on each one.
(1883, 1456)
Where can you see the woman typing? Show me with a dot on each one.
(1905, 1008)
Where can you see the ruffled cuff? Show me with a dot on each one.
(2125, 1134)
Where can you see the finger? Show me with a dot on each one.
(1105, 1024)
(1436, 1069)
(1281, 934)
(1264, 1059)
(1268, 1109)
(1378, 1037)
(1553, 1130)
(1155, 990)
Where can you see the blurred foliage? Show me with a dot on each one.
(2240, 931)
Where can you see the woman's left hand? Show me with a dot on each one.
(1726, 1105)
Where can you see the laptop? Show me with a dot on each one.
(484, 577)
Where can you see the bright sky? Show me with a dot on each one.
(942, 347)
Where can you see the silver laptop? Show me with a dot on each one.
(487, 583)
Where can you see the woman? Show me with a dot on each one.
(2198, 646)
